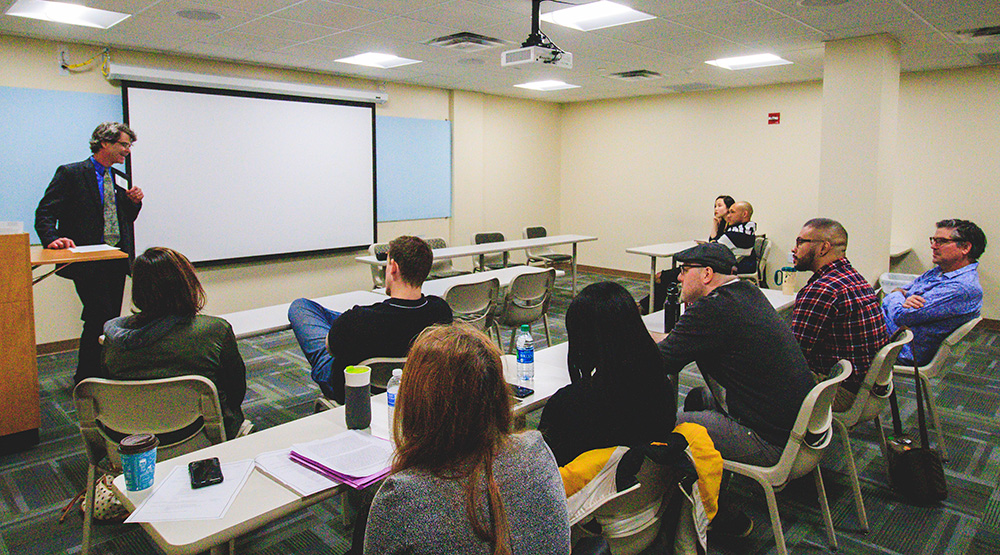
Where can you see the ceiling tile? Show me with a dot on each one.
(471, 15)
(285, 29)
(329, 14)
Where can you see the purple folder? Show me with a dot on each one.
(356, 482)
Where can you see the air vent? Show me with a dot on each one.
(199, 15)
(692, 87)
(466, 42)
(982, 35)
(636, 75)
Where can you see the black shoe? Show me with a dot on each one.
(731, 523)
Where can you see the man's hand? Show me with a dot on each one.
(61, 243)
(134, 194)
(913, 301)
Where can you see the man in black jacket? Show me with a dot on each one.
(83, 205)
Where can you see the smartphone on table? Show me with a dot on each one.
(205, 472)
(520, 391)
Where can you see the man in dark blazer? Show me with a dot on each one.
(84, 205)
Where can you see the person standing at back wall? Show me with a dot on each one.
(83, 205)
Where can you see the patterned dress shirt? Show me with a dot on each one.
(950, 300)
(837, 316)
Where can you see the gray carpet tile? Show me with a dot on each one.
(36, 484)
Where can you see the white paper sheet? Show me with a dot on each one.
(303, 481)
(353, 453)
(92, 248)
(174, 499)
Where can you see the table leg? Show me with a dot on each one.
(652, 282)
(574, 269)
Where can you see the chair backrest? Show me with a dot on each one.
(763, 247)
(631, 521)
(382, 368)
(381, 252)
(944, 350)
(148, 406)
(474, 303)
(813, 428)
(495, 259)
(527, 298)
(439, 265)
(874, 393)
(534, 232)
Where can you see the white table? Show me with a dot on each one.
(664, 250)
(274, 318)
(505, 275)
(498, 247)
(262, 499)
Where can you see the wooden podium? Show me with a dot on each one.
(19, 410)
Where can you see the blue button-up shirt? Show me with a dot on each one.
(950, 300)
(100, 176)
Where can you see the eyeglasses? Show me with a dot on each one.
(684, 268)
(800, 241)
(125, 144)
(938, 241)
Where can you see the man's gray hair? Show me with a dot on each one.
(109, 132)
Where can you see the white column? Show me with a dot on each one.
(858, 158)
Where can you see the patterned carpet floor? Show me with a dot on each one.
(36, 484)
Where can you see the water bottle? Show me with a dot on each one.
(525, 357)
(391, 390)
(672, 307)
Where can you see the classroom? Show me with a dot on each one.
(628, 168)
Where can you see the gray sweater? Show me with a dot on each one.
(415, 512)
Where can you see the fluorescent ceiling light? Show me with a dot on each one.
(596, 15)
(550, 85)
(374, 59)
(749, 62)
(72, 14)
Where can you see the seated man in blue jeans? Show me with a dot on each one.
(942, 298)
(333, 341)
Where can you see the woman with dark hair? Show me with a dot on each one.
(166, 337)
(619, 393)
(461, 481)
(722, 205)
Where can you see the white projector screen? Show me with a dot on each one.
(228, 175)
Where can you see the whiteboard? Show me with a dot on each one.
(231, 175)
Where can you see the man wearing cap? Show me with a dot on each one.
(741, 346)
(837, 314)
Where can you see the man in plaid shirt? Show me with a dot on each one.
(837, 314)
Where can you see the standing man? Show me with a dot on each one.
(942, 298)
(740, 236)
(837, 314)
(333, 341)
(84, 206)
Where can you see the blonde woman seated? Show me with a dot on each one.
(461, 481)
(166, 336)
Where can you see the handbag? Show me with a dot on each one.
(107, 507)
(916, 473)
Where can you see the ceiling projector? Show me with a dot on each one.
(537, 55)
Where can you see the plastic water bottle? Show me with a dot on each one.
(525, 357)
(391, 390)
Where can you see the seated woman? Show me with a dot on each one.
(722, 205)
(461, 481)
(166, 336)
(619, 393)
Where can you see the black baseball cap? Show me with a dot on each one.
(713, 255)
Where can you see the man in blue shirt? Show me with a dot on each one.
(942, 298)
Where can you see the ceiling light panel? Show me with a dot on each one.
(376, 59)
(72, 14)
(596, 15)
(749, 62)
(549, 85)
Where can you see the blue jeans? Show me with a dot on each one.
(311, 324)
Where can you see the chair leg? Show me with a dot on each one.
(510, 346)
(852, 473)
(548, 337)
(825, 508)
(933, 410)
(88, 511)
(772, 508)
(884, 444)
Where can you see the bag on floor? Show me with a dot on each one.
(107, 507)
(916, 472)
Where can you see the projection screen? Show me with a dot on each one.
(233, 175)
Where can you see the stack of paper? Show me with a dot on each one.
(354, 458)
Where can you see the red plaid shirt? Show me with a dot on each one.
(837, 316)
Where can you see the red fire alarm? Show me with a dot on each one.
(774, 118)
